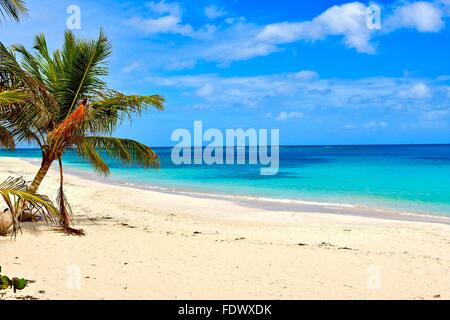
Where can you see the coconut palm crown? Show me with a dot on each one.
(59, 100)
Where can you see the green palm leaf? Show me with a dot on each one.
(11, 97)
(107, 113)
(59, 100)
(126, 150)
(84, 65)
(13, 8)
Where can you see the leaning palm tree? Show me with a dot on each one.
(59, 101)
(14, 9)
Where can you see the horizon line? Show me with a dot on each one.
(286, 145)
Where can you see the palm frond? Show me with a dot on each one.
(126, 150)
(29, 62)
(46, 64)
(10, 98)
(14, 193)
(6, 139)
(13, 8)
(83, 68)
(111, 109)
(88, 151)
(14, 77)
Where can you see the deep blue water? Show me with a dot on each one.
(408, 177)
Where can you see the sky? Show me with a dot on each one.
(322, 72)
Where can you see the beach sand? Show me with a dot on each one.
(143, 244)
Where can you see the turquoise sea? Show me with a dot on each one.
(414, 178)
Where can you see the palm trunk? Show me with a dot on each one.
(62, 198)
(64, 207)
(45, 166)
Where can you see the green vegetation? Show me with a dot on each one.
(14, 192)
(60, 101)
(14, 283)
(14, 9)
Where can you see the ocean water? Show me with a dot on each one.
(414, 178)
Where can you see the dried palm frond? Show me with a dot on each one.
(14, 192)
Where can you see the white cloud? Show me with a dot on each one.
(446, 6)
(168, 21)
(166, 24)
(435, 115)
(306, 75)
(233, 20)
(177, 64)
(205, 91)
(225, 53)
(347, 20)
(375, 124)
(283, 92)
(162, 7)
(214, 12)
(422, 16)
(416, 91)
(289, 115)
(237, 39)
(131, 67)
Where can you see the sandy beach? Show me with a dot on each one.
(143, 244)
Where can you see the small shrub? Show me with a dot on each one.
(12, 283)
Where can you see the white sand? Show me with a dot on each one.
(149, 245)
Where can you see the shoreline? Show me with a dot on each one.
(273, 204)
(143, 244)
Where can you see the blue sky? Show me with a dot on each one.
(313, 69)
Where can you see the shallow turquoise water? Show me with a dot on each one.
(414, 177)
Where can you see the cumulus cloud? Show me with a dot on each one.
(289, 115)
(422, 16)
(163, 7)
(347, 20)
(416, 91)
(214, 12)
(167, 21)
(237, 39)
(205, 91)
(305, 75)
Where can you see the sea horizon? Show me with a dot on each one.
(290, 145)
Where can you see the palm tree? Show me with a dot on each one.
(15, 9)
(59, 101)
